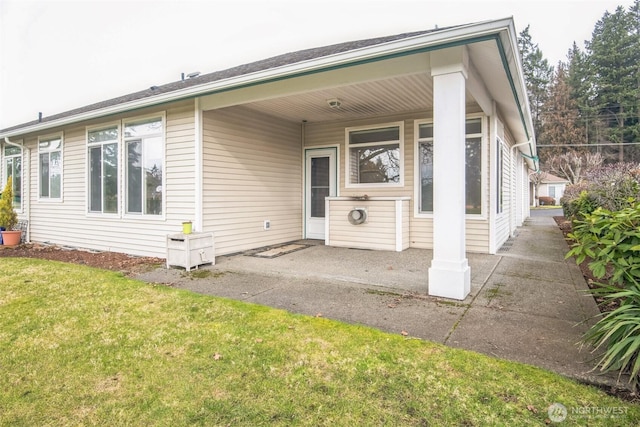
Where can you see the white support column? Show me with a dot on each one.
(449, 274)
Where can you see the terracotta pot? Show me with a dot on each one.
(11, 238)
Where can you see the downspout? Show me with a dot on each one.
(303, 135)
(26, 180)
(198, 202)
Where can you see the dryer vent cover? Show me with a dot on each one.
(357, 216)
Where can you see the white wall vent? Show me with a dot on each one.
(357, 216)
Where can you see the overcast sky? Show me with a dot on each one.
(59, 55)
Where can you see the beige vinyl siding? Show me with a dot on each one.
(421, 232)
(477, 234)
(67, 223)
(379, 232)
(420, 228)
(252, 173)
(503, 219)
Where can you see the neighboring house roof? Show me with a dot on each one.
(265, 64)
(552, 179)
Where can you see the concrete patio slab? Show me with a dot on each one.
(527, 303)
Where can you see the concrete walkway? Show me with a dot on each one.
(527, 303)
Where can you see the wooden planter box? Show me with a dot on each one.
(190, 250)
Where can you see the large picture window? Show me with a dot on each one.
(144, 153)
(473, 166)
(103, 170)
(50, 168)
(13, 170)
(374, 156)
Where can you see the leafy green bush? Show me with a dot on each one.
(619, 331)
(577, 207)
(611, 239)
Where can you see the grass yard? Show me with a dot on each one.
(82, 346)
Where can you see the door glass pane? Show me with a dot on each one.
(319, 185)
(318, 202)
(320, 171)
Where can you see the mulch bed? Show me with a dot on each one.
(127, 264)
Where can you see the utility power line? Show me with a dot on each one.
(616, 144)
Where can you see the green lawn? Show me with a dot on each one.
(81, 346)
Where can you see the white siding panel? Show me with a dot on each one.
(252, 173)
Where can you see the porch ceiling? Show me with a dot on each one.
(372, 98)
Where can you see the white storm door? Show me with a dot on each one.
(320, 182)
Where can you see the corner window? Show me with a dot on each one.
(50, 168)
(103, 170)
(144, 153)
(374, 156)
(13, 170)
(473, 166)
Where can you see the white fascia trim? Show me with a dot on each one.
(423, 41)
(510, 40)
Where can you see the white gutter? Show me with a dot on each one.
(530, 161)
(6, 140)
(454, 35)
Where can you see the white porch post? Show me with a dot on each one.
(449, 274)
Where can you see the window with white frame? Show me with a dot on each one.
(50, 168)
(374, 155)
(103, 169)
(473, 166)
(13, 170)
(144, 154)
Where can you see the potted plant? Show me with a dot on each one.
(8, 217)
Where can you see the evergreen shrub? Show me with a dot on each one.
(8, 215)
(611, 240)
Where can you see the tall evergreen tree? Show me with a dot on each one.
(614, 66)
(560, 117)
(579, 81)
(537, 74)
